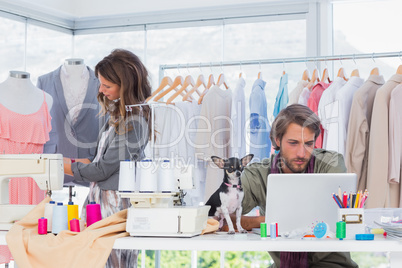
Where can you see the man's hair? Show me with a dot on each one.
(295, 113)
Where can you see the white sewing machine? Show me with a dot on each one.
(163, 214)
(46, 169)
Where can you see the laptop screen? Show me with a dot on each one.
(300, 201)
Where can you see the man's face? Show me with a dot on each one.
(296, 147)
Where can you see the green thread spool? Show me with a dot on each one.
(263, 229)
(341, 230)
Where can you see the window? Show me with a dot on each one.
(12, 43)
(368, 27)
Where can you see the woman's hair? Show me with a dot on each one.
(125, 69)
(295, 113)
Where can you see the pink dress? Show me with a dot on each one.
(23, 134)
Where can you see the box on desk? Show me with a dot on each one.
(354, 219)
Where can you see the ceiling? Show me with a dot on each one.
(76, 14)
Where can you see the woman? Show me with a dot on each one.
(123, 81)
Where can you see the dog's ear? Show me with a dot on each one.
(245, 160)
(218, 161)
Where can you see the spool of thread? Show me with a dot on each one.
(340, 230)
(273, 230)
(166, 177)
(72, 212)
(127, 176)
(263, 229)
(42, 226)
(59, 218)
(49, 214)
(93, 213)
(75, 225)
(148, 177)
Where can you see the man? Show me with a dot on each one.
(293, 133)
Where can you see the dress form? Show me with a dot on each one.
(75, 69)
(20, 95)
(74, 79)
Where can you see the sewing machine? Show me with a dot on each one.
(165, 214)
(46, 169)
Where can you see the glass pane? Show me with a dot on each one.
(94, 47)
(182, 45)
(12, 43)
(46, 50)
(265, 40)
(373, 31)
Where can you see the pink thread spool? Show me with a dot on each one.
(75, 225)
(42, 226)
(93, 213)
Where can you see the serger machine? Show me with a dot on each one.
(46, 169)
(156, 195)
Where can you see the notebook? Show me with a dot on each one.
(300, 201)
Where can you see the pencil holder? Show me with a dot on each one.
(354, 219)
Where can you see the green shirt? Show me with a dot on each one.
(254, 177)
(254, 183)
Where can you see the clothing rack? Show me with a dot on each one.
(372, 56)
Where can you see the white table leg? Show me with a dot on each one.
(222, 259)
(194, 259)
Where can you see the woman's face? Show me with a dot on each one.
(109, 89)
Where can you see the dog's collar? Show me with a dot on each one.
(238, 186)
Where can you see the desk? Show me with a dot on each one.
(253, 242)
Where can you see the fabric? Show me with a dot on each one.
(213, 134)
(111, 203)
(395, 134)
(313, 102)
(295, 93)
(23, 134)
(282, 97)
(117, 147)
(326, 105)
(213, 131)
(72, 139)
(260, 144)
(337, 130)
(181, 131)
(88, 248)
(238, 116)
(382, 194)
(74, 95)
(254, 182)
(304, 96)
(357, 141)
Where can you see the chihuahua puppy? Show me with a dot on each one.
(227, 199)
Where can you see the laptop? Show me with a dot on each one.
(300, 201)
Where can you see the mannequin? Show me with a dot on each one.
(18, 94)
(74, 78)
(75, 113)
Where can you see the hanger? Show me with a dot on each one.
(375, 71)
(341, 73)
(355, 72)
(187, 82)
(259, 73)
(399, 70)
(325, 76)
(200, 81)
(283, 63)
(222, 80)
(211, 82)
(177, 82)
(314, 78)
(166, 81)
(305, 76)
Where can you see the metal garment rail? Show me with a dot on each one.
(283, 61)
